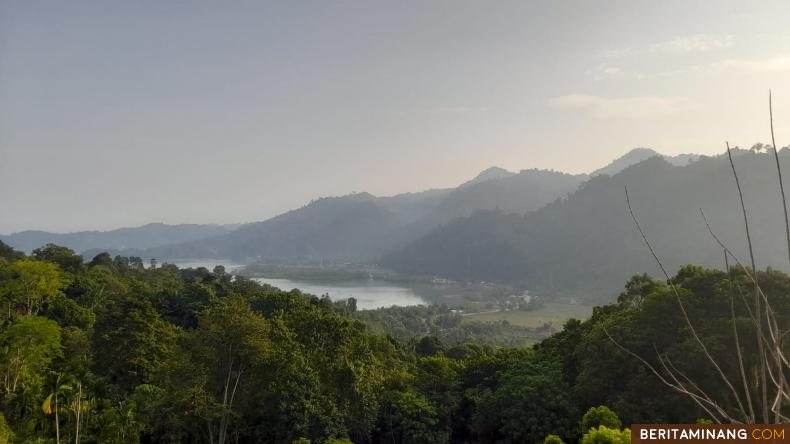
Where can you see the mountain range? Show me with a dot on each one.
(146, 236)
(548, 231)
(586, 245)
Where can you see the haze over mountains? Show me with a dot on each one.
(550, 232)
(146, 236)
(586, 245)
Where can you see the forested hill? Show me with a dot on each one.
(145, 236)
(349, 227)
(586, 244)
(363, 227)
(521, 192)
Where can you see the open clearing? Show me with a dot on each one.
(553, 312)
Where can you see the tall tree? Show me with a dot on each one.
(29, 284)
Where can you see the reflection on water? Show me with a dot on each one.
(369, 295)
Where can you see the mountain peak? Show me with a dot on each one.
(632, 157)
(491, 173)
(638, 155)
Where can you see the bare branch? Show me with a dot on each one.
(736, 336)
(779, 171)
(690, 325)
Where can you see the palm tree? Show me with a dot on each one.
(59, 390)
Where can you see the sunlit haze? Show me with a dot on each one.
(123, 113)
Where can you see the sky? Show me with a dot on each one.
(118, 114)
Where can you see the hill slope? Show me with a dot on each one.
(637, 155)
(363, 227)
(585, 245)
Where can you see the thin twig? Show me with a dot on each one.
(690, 325)
(760, 344)
(779, 172)
(736, 336)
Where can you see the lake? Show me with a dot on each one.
(369, 295)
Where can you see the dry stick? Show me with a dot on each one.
(769, 310)
(683, 308)
(665, 360)
(736, 336)
(781, 182)
(743, 208)
(777, 353)
(779, 172)
(667, 363)
(700, 401)
(760, 344)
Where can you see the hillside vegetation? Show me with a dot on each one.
(112, 352)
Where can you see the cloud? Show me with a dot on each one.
(772, 64)
(677, 46)
(693, 43)
(608, 71)
(614, 60)
(623, 108)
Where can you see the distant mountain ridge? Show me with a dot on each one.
(586, 245)
(492, 227)
(362, 227)
(491, 173)
(637, 155)
(145, 236)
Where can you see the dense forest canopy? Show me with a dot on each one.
(111, 351)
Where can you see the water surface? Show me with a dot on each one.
(369, 294)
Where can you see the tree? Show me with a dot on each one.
(28, 347)
(408, 417)
(130, 341)
(600, 416)
(429, 346)
(58, 389)
(103, 259)
(63, 256)
(6, 252)
(533, 400)
(229, 342)
(30, 283)
(553, 439)
(606, 435)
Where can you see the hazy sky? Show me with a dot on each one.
(121, 113)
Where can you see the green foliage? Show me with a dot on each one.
(168, 355)
(534, 385)
(6, 434)
(408, 417)
(429, 346)
(130, 341)
(8, 253)
(28, 346)
(600, 416)
(449, 327)
(64, 257)
(553, 439)
(29, 284)
(606, 435)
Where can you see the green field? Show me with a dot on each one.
(554, 313)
